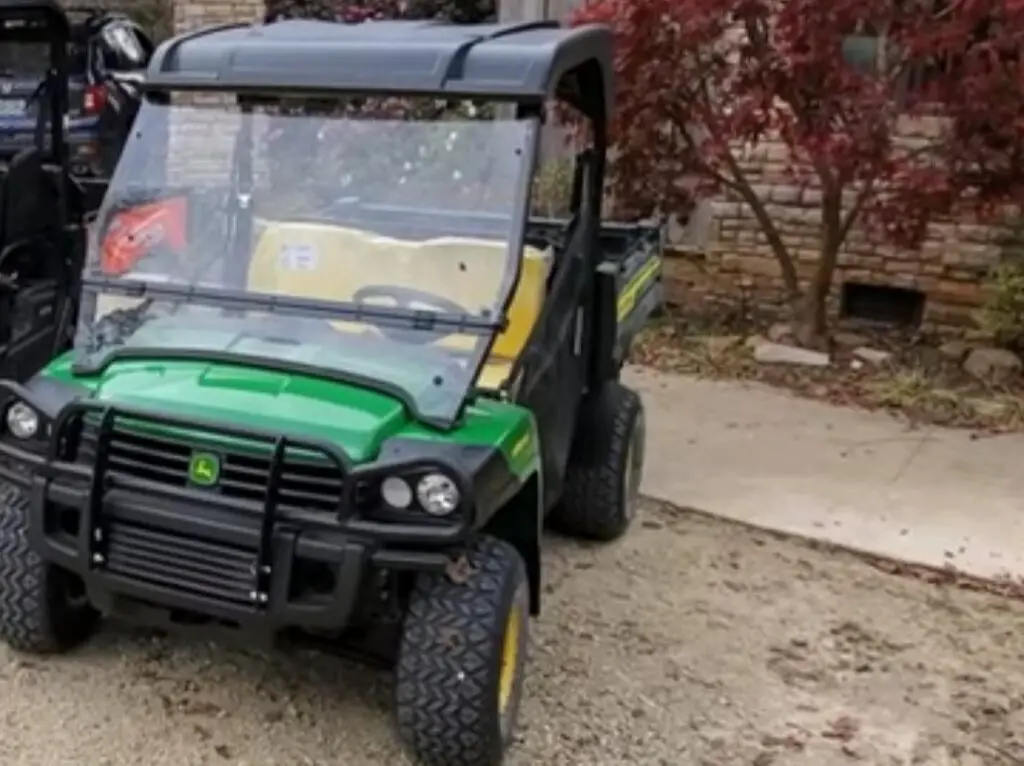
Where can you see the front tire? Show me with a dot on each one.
(602, 481)
(459, 679)
(43, 609)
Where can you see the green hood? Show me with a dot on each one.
(357, 419)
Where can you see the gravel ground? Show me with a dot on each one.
(691, 642)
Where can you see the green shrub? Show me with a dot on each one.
(1003, 313)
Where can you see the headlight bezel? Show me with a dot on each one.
(28, 427)
(441, 482)
(403, 494)
(393, 486)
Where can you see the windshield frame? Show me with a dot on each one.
(487, 328)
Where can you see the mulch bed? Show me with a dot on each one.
(917, 383)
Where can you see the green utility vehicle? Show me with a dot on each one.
(329, 380)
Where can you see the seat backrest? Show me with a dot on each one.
(29, 211)
(3, 203)
(333, 263)
(526, 305)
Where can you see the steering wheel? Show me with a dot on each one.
(405, 297)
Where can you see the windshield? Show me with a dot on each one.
(379, 251)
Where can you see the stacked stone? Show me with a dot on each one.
(949, 268)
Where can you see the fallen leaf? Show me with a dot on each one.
(199, 707)
(843, 729)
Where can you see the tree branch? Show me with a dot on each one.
(741, 185)
(831, 217)
(703, 166)
(757, 34)
(855, 210)
(764, 220)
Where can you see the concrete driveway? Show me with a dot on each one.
(859, 479)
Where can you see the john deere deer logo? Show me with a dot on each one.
(204, 469)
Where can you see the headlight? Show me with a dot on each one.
(22, 420)
(437, 494)
(396, 492)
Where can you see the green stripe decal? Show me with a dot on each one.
(636, 286)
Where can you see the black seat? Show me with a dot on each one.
(84, 197)
(3, 201)
(27, 209)
(32, 271)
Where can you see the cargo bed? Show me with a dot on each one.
(633, 254)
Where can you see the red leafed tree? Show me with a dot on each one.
(461, 11)
(700, 82)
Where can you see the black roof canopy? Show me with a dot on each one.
(27, 20)
(523, 62)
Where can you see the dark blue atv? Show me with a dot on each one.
(106, 59)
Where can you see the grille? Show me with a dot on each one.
(306, 483)
(164, 559)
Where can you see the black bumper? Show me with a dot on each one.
(142, 546)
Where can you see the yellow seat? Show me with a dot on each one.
(333, 263)
(494, 372)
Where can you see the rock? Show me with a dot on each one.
(850, 339)
(955, 350)
(717, 345)
(978, 336)
(872, 355)
(780, 353)
(994, 365)
(779, 332)
(754, 341)
(988, 408)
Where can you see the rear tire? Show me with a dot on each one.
(43, 609)
(602, 481)
(459, 679)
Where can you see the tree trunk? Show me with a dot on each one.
(741, 184)
(811, 327)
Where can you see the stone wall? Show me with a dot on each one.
(735, 264)
(193, 14)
